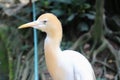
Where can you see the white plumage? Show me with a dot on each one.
(62, 65)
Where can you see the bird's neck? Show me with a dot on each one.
(52, 51)
(53, 39)
(52, 43)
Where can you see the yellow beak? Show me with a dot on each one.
(30, 24)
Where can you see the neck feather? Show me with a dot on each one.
(53, 42)
(52, 49)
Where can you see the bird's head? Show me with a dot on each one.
(47, 22)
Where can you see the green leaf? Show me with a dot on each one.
(25, 47)
(83, 26)
(90, 15)
(87, 6)
(100, 79)
(71, 17)
(63, 1)
(78, 2)
(57, 12)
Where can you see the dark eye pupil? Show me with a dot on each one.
(45, 22)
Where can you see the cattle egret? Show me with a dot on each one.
(62, 65)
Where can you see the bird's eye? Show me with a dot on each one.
(45, 21)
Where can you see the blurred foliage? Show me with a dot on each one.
(3, 59)
(70, 12)
(77, 17)
(10, 44)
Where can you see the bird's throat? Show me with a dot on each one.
(51, 47)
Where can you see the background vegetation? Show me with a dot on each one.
(90, 27)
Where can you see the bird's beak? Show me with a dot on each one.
(30, 24)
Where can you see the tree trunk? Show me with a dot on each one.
(97, 29)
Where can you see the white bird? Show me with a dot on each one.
(62, 65)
